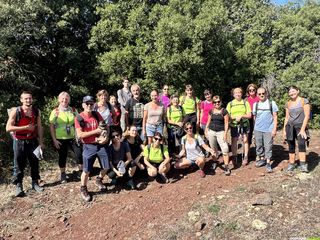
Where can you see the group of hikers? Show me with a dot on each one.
(126, 133)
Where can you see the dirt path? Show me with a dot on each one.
(59, 213)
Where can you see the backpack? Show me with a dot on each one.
(184, 140)
(194, 99)
(20, 114)
(161, 148)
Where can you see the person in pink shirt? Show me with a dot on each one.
(164, 97)
(205, 107)
(251, 98)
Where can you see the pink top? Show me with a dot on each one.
(206, 107)
(165, 100)
(90, 124)
(252, 101)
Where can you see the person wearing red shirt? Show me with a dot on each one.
(25, 123)
(88, 130)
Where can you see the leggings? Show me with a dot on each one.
(63, 151)
(301, 142)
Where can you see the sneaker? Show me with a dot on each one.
(77, 174)
(85, 194)
(303, 167)
(130, 184)
(113, 181)
(164, 178)
(201, 173)
(63, 177)
(19, 190)
(291, 167)
(269, 168)
(261, 163)
(36, 187)
(227, 171)
(100, 184)
(245, 161)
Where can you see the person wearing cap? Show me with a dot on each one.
(87, 128)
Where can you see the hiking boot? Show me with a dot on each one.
(303, 167)
(85, 194)
(130, 184)
(77, 174)
(63, 177)
(36, 187)
(227, 171)
(291, 167)
(260, 163)
(269, 168)
(19, 190)
(245, 161)
(201, 173)
(100, 184)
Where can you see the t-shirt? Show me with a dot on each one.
(237, 108)
(155, 154)
(192, 150)
(135, 109)
(155, 113)
(165, 100)
(90, 124)
(135, 148)
(206, 107)
(63, 119)
(117, 116)
(252, 100)
(264, 117)
(116, 155)
(296, 112)
(123, 96)
(217, 120)
(105, 114)
(175, 114)
(189, 105)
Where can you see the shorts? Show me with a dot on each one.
(236, 131)
(90, 153)
(152, 129)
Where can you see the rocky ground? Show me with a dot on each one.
(249, 204)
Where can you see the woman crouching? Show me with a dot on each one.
(156, 158)
(191, 148)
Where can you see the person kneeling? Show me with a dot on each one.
(156, 158)
(121, 163)
(191, 150)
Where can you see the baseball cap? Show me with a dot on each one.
(88, 99)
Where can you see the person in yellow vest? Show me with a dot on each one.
(240, 112)
(63, 133)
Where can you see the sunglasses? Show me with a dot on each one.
(261, 94)
(89, 103)
(157, 139)
(216, 102)
(114, 136)
(252, 90)
(188, 128)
